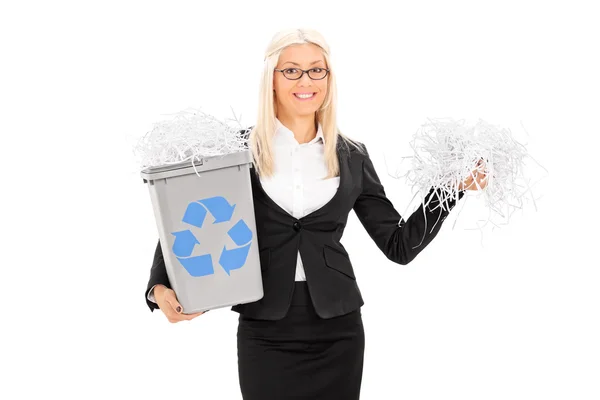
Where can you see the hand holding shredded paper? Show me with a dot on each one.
(453, 156)
(477, 179)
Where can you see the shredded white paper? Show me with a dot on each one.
(190, 135)
(446, 152)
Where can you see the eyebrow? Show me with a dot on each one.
(314, 62)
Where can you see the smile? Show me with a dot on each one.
(304, 96)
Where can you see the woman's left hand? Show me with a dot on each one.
(477, 179)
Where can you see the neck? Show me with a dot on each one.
(304, 127)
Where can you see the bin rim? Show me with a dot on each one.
(203, 164)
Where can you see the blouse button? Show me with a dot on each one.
(297, 226)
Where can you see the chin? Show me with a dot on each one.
(306, 111)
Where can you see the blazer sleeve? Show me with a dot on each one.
(158, 275)
(400, 240)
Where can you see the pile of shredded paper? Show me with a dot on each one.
(446, 152)
(190, 135)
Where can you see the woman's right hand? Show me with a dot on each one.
(168, 304)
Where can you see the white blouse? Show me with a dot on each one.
(297, 184)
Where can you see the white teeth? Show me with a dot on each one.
(304, 96)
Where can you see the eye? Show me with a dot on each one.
(318, 70)
(291, 70)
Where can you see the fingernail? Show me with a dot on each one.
(178, 308)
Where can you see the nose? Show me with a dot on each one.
(305, 79)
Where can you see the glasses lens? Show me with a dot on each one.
(317, 73)
(292, 73)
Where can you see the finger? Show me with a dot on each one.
(171, 299)
(475, 182)
(174, 316)
(171, 315)
(470, 182)
(484, 181)
(191, 316)
(468, 179)
(480, 182)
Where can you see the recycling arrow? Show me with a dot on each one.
(233, 258)
(219, 207)
(185, 241)
(199, 265)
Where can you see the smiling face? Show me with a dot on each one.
(303, 96)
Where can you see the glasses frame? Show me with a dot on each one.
(304, 71)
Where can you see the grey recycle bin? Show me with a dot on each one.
(207, 230)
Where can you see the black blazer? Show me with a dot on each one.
(329, 273)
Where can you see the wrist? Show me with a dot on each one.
(159, 289)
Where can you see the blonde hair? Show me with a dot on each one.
(264, 130)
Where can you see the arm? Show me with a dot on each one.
(398, 239)
(158, 275)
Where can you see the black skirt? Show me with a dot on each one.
(301, 356)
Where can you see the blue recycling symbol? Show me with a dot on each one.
(185, 241)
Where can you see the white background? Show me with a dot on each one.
(513, 317)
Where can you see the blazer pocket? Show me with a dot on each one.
(265, 258)
(339, 261)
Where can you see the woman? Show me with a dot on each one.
(304, 339)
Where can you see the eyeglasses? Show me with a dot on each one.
(296, 73)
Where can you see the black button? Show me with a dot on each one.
(297, 226)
